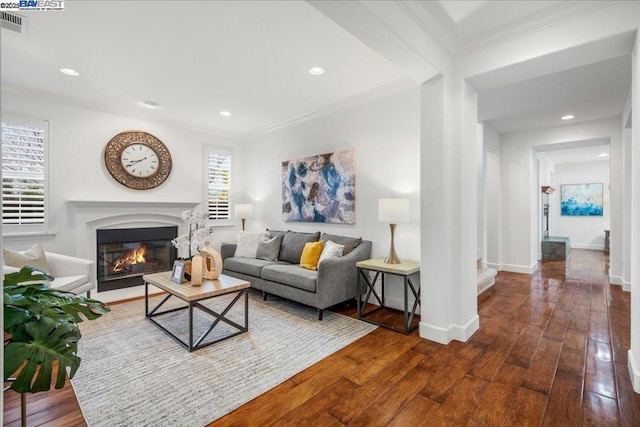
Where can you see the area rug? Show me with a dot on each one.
(134, 374)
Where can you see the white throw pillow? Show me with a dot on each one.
(331, 250)
(248, 244)
(34, 257)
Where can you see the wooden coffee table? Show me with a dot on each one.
(192, 295)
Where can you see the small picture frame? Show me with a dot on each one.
(177, 275)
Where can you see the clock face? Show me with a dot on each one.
(139, 160)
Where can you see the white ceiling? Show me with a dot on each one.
(252, 58)
(248, 57)
(590, 92)
(590, 153)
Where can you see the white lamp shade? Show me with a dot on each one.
(243, 210)
(393, 210)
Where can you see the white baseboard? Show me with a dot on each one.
(452, 332)
(634, 372)
(587, 246)
(518, 268)
(496, 267)
(619, 281)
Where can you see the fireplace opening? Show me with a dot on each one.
(125, 255)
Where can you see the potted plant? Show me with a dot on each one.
(40, 330)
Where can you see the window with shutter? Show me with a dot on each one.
(24, 175)
(218, 192)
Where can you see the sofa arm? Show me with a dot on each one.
(65, 265)
(338, 277)
(228, 249)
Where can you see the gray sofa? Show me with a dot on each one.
(334, 282)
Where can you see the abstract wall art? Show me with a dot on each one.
(581, 199)
(320, 188)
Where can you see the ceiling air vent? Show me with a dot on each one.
(13, 22)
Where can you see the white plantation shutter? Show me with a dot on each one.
(218, 170)
(24, 173)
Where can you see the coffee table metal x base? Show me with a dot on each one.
(363, 274)
(219, 317)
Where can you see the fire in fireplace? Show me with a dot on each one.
(125, 255)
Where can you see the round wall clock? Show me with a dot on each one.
(137, 160)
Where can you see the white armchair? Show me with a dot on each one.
(71, 274)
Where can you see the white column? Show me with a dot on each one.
(634, 352)
(448, 192)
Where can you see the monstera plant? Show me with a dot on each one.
(40, 329)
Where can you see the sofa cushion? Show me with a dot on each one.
(293, 244)
(311, 255)
(269, 247)
(34, 256)
(248, 244)
(350, 243)
(250, 266)
(291, 275)
(68, 283)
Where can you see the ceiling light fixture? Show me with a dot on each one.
(150, 104)
(225, 113)
(568, 117)
(602, 155)
(316, 71)
(69, 72)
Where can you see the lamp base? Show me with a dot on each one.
(392, 258)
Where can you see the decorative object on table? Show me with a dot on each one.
(138, 160)
(393, 211)
(581, 199)
(41, 329)
(177, 275)
(243, 211)
(213, 262)
(197, 270)
(320, 188)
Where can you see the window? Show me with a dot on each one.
(218, 191)
(24, 175)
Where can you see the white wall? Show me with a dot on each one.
(77, 172)
(492, 191)
(385, 134)
(520, 188)
(585, 232)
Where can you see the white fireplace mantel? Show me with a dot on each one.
(87, 216)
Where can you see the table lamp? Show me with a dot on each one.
(243, 211)
(393, 211)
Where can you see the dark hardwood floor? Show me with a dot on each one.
(551, 350)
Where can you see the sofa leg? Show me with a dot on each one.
(320, 312)
(88, 294)
(264, 296)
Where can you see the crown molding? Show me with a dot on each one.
(70, 101)
(367, 96)
(436, 28)
(529, 24)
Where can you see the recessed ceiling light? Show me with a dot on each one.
(69, 72)
(225, 113)
(150, 104)
(602, 155)
(568, 117)
(316, 71)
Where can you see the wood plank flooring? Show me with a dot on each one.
(551, 350)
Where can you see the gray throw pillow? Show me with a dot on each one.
(269, 247)
(293, 244)
(350, 243)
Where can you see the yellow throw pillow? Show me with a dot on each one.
(34, 257)
(311, 255)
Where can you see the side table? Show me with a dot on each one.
(380, 270)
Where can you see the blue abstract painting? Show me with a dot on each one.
(320, 188)
(582, 199)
